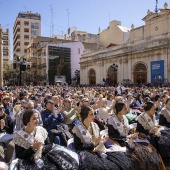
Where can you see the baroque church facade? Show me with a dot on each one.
(143, 58)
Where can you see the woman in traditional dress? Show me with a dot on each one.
(164, 119)
(104, 112)
(144, 156)
(87, 141)
(159, 137)
(34, 150)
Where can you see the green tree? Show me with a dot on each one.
(10, 74)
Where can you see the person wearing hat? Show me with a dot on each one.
(37, 105)
(96, 105)
(146, 93)
(52, 117)
(64, 92)
(47, 97)
(6, 100)
(133, 103)
(27, 105)
(69, 112)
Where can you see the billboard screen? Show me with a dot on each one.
(157, 72)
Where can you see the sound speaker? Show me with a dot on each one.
(14, 65)
(23, 67)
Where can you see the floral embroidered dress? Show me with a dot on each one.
(52, 158)
(90, 160)
(160, 140)
(142, 153)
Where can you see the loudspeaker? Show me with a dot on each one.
(14, 65)
(23, 67)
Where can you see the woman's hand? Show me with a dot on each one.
(96, 141)
(153, 130)
(133, 136)
(2, 123)
(104, 139)
(36, 145)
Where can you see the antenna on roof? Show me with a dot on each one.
(68, 13)
(156, 8)
(52, 25)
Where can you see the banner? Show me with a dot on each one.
(157, 72)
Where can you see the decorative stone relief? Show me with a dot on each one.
(125, 60)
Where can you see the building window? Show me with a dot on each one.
(34, 32)
(5, 42)
(92, 72)
(26, 37)
(5, 38)
(35, 25)
(26, 30)
(26, 23)
(140, 67)
(5, 47)
(5, 53)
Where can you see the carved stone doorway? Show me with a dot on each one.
(92, 77)
(112, 75)
(140, 74)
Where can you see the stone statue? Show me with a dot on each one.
(60, 66)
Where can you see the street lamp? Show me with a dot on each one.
(114, 68)
(22, 67)
(77, 74)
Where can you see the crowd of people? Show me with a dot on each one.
(86, 128)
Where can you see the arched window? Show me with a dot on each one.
(112, 75)
(92, 72)
(140, 67)
(92, 77)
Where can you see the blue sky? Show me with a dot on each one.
(87, 15)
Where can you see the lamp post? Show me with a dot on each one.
(77, 73)
(22, 67)
(114, 67)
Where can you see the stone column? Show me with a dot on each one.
(1, 59)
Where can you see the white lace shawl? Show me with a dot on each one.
(121, 127)
(85, 136)
(166, 113)
(23, 139)
(146, 121)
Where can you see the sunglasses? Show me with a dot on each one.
(26, 107)
(17, 103)
(1, 108)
